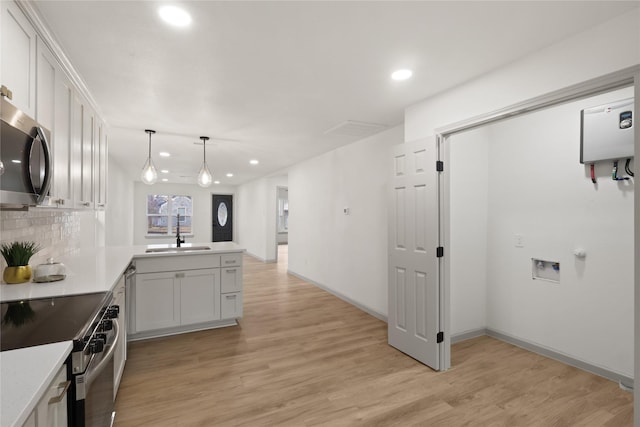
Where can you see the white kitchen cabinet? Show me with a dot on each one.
(62, 186)
(120, 352)
(83, 119)
(199, 296)
(195, 283)
(100, 164)
(45, 86)
(231, 279)
(157, 297)
(51, 410)
(18, 57)
(231, 305)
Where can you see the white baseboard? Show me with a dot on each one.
(341, 296)
(624, 381)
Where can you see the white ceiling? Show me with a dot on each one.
(266, 79)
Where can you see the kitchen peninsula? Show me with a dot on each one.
(191, 270)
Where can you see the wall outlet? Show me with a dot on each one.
(346, 211)
(518, 240)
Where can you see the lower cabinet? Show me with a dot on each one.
(174, 294)
(165, 300)
(120, 352)
(51, 410)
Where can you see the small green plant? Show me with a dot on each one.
(17, 254)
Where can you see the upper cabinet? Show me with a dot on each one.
(42, 86)
(18, 57)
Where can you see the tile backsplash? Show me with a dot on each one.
(57, 232)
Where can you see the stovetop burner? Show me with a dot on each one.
(39, 321)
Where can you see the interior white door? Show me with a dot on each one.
(414, 294)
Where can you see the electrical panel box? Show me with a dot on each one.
(607, 132)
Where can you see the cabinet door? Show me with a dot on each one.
(199, 296)
(100, 164)
(51, 410)
(120, 352)
(45, 86)
(77, 118)
(231, 305)
(231, 279)
(62, 191)
(18, 57)
(157, 301)
(86, 188)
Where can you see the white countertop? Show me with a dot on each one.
(99, 269)
(25, 375)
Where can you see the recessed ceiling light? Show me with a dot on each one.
(175, 16)
(254, 162)
(164, 171)
(216, 182)
(164, 154)
(164, 180)
(229, 175)
(401, 74)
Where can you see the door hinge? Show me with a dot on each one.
(4, 91)
(439, 166)
(440, 337)
(439, 252)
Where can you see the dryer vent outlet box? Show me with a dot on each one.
(607, 132)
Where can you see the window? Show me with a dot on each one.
(163, 210)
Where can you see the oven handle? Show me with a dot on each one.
(95, 372)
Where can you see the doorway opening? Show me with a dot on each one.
(282, 225)
(518, 194)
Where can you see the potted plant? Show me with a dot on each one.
(17, 255)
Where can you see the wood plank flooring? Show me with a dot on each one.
(302, 357)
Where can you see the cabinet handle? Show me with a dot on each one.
(57, 399)
(230, 262)
(101, 205)
(85, 204)
(231, 271)
(179, 275)
(230, 296)
(4, 91)
(59, 201)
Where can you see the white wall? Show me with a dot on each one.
(345, 253)
(119, 215)
(251, 209)
(587, 55)
(202, 224)
(468, 172)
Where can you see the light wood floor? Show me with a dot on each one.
(302, 357)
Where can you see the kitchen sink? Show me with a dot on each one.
(181, 249)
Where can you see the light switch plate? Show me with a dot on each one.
(518, 240)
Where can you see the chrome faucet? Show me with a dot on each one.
(179, 240)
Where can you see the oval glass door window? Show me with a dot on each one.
(222, 214)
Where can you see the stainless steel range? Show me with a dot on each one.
(88, 321)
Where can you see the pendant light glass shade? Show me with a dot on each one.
(204, 176)
(149, 173)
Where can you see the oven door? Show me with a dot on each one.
(94, 404)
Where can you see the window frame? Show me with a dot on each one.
(169, 216)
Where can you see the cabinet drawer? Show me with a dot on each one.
(231, 305)
(230, 260)
(231, 279)
(176, 263)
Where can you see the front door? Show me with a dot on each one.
(414, 284)
(222, 213)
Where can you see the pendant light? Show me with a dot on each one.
(204, 176)
(149, 174)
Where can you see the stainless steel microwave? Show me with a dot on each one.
(25, 159)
